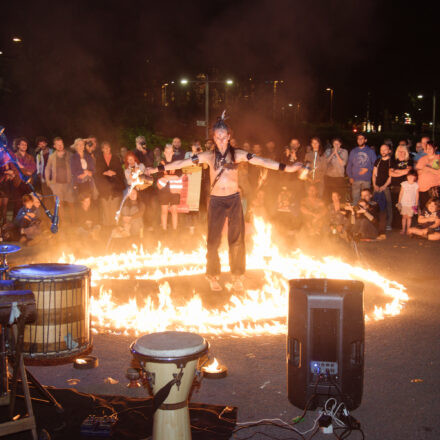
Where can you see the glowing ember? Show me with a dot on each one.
(213, 367)
(254, 312)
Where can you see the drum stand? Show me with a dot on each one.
(25, 423)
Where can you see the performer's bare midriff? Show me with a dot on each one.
(225, 200)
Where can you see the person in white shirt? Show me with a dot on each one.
(408, 200)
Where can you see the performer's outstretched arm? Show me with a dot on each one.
(178, 164)
(244, 156)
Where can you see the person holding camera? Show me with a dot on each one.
(365, 217)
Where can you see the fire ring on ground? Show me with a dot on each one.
(260, 311)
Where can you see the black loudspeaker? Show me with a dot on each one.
(325, 344)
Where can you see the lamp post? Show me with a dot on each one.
(164, 95)
(331, 103)
(206, 80)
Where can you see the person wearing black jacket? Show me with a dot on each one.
(365, 216)
(109, 179)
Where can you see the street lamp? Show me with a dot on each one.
(328, 89)
(16, 40)
(206, 80)
(419, 96)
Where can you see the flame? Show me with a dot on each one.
(213, 367)
(254, 312)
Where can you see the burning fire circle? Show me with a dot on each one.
(255, 312)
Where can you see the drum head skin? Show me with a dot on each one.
(170, 344)
(51, 270)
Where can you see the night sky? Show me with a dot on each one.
(89, 57)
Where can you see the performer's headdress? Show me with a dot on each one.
(221, 123)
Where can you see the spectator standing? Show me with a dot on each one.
(7, 175)
(82, 167)
(169, 198)
(408, 200)
(428, 168)
(337, 158)
(381, 184)
(42, 156)
(400, 167)
(110, 183)
(27, 165)
(144, 155)
(122, 153)
(297, 152)
(318, 165)
(132, 167)
(293, 154)
(149, 195)
(178, 153)
(360, 167)
(58, 176)
(421, 149)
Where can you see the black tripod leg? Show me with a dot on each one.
(17, 331)
(43, 391)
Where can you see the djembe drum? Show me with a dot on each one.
(170, 360)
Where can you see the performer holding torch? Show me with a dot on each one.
(225, 200)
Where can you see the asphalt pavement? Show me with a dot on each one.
(401, 382)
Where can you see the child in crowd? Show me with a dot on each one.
(429, 221)
(27, 220)
(131, 224)
(408, 200)
(88, 226)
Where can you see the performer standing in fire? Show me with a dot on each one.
(225, 200)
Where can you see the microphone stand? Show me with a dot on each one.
(25, 179)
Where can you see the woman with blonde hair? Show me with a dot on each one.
(399, 169)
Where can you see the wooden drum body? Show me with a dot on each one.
(166, 356)
(61, 331)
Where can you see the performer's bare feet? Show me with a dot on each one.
(213, 283)
(237, 283)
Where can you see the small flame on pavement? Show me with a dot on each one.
(213, 367)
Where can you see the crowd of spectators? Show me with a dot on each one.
(352, 193)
